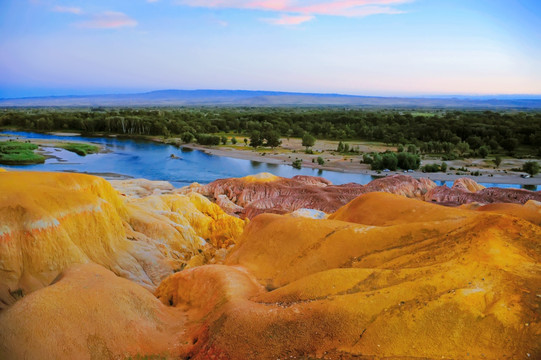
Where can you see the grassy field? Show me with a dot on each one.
(426, 114)
(19, 153)
(80, 149)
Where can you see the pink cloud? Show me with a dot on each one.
(108, 20)
(350, 8)
(321, 7)
(289, 19)
(299, 11)
(67, 9)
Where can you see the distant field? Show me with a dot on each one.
(427, 114)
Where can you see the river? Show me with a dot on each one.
(128, 158)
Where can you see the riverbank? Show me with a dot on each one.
(16, 150)
(183, 169)
(340, 163)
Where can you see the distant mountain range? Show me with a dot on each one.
(273, 98)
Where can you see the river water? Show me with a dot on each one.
(128, 158)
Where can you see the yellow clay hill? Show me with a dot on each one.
(445, 283)
(384, 277)
(49, 221)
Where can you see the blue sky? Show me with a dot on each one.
(364, 47)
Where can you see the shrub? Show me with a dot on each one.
(187, 137)
(531, 167)
(206, 139)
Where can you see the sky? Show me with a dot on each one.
(360, 47)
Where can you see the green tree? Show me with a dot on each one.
(483, 151)
(475, 142)
(408, 161)
(443, 167)
(320, 160)
(531, 167)
(308, 141)
(289, 133)
(245, 142)
(187, 137)
(493, 145)
(340, 147)
(233, 140)
(377, 162)
(272, 139)
(367, 159)
(463, 147)
(510, 144)
(255, 139)
(224, 140)
(297, 164)
(390, 161)
(497, 161)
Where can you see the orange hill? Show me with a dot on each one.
(446, 283)
(385, 277)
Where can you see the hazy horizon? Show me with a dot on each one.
(421, 96)
(402, 48)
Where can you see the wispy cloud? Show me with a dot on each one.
(299, 11)
(108, 20)
(68, 9)
(289, 19)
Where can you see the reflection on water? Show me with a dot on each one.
(505, 186)
(145, 159)
(150, 160)
(256, 164)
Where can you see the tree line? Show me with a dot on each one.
(455, 133)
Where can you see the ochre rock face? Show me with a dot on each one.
(90, 313)
(468, 185)
(384, 209)
(383, 277)
(446, 282)
(137, 188)
(49, 221)
(531, 211)
(465, 191)
(265, 193)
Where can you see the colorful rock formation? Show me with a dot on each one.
(384, 277)
(440, 283)
(90, 313)
(265, 193)
(465, 191)
(49, 221)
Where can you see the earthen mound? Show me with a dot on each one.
(250, 196)
(49, 221)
